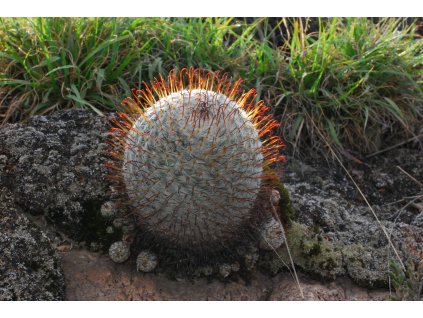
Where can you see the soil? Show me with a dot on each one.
(93, 276)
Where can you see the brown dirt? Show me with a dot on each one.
(93, 276)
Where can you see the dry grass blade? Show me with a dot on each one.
(295, 276)
(14, 106)
(395, 146)
(410, 176)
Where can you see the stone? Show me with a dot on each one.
(272, 235)
(29, 267)
(93, 276)
(59, 175)
(336, 234)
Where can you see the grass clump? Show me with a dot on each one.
(53, 63)
(352, 84)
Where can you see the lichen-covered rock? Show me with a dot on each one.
(54, 165)
(336, 234)
(29, 266)
(271, 235)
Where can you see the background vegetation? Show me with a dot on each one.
(354, 84)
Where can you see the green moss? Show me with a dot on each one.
(352, 253)
(285, 204)
(408, 283)
(312, 253)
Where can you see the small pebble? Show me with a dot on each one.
(118, 223)
(206, 270)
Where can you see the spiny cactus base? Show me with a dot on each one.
(191, 152)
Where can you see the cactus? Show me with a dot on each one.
(191, 151)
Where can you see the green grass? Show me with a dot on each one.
(351, 85)
(55, 63)
(407, 283)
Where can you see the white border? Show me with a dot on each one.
(195, 8)
(210, 309)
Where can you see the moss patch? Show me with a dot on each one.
(287, 211)
(309, 251)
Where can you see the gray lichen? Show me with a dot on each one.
(55, 166)
(271, 234)
(29, 266)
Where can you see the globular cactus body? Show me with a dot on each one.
(191, 152)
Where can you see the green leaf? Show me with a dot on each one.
(47, 62)
(294, 129)
(394, 109)
(332, 131)
(102, 46)
(61, 68)
(83, 102)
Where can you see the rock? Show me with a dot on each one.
(93, 276)
(55, 166)
(336, 234)
(250, 260)
(235, 267)
(29, 266)
(382, 180)
(418, 221)
(272, 235)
